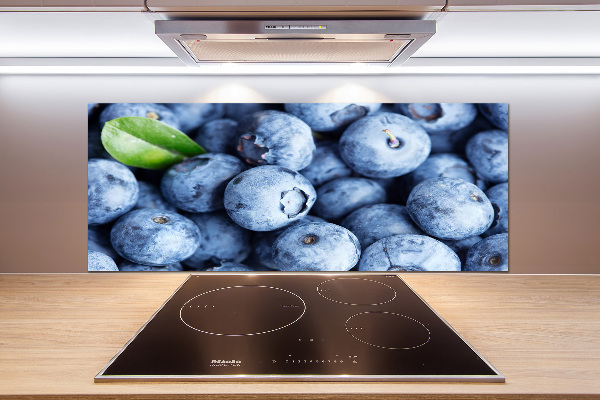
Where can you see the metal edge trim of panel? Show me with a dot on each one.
(299, 378)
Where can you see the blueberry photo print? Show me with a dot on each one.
(298, 187)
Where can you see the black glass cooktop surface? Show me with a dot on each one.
(337, 327)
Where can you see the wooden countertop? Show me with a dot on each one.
(542, 332)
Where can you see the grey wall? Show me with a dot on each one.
(554, 153)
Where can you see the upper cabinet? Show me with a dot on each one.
(302, 8)
(522, 5)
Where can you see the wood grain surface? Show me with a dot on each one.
(542, 332)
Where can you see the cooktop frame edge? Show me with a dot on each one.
(100, 378)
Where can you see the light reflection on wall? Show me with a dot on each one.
(232, 93)
(352, 92)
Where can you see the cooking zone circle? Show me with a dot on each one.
(356, 291)
(242, 310)
(388, 330)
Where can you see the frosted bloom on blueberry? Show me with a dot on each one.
(154, 237)
(384, 145)
(377, 221)
(100, 262)
(438, 118)
(445, 165)
(497, 113)
(112, 190)
(316, 246)
(409, 253)
(489, 254)
(488, 153)
(328, 117)
(450, 208)
(198, 183)
(262, 242)
(339, 197)
(268, 197)
(275, 138)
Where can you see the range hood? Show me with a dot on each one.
(382, 42)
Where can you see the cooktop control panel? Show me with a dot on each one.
(337, 327)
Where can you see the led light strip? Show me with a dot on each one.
(414, 66)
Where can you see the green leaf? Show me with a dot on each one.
(147, 143)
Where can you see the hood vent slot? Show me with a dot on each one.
(281, 50)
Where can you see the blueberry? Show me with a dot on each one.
(154, 237)
(150, 197)
(408, 253)
(462, 246)
(192, 115)
(498, 196)
(218, 136)
(238, 111)
(488, 153)
(339, 197)
(148, 110)
(497, 113)
(268, 197)
(99, 240)
(377, 221)
(384, 145)
(127, 266)
(489, 254)
(100, 262)
(450, 208)
(275, 138)
(327, 164)
(455, 141)
(317, 246)
(329, 117)
(445, 165)
(262, 242)
(197, 184)
(439, 117)
(112, 190)
(220, 239)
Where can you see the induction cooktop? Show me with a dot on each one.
(289, 327)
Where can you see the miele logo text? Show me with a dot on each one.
(225, 363)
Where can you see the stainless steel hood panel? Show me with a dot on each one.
(388, 42)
